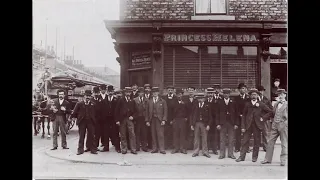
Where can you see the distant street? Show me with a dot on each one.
(48, 167)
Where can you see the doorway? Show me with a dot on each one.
(279, 70)
(140, 78)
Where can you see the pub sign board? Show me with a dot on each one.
(212, 37)
(140, 59)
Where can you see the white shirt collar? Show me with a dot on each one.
(60, 101)
(103, 96)
(254, 102)
(201, 104)
(110, 98)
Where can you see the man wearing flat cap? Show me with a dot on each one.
(170, 99)
(200, 124)
(213, 132)
(227, 123)
(126, 111)
(240, 100)
(86, 119)
(252, 123)
(140, 126)
(157, 118)
(267, 124)
(179, 123)
(279, 128)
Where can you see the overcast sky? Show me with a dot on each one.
(81, 23)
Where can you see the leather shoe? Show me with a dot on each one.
(94, 152)
(138, 149)
(183, 151)
(265, 162)
(232, 157)
(207, 155)
(124, 152)
(80, 152)
(221, 157)
(55, 148)
(174, 151)
(237, 150)
(215, 152)
(254, 160)
(195, 154)
(162, 152)
(65, 148)
(134, 152)
(239, 159)
(87, 150)
(154, 151)
(145, 149)
(105, 150)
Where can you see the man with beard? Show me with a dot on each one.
(170, 100)
(97, 126)
(252, 123)
(126, 111)
(190, 102)
(279, 128)
(140, 126)
(148, 96)
(84, 111)
(226, 123)
(180, 118)
(108, 112)
(201, 120)
(134, 93)
(240, 102)
(157, 117)
(213, 132)
(60, 108)
(102, 97)
(267, 124)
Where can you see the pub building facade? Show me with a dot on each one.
(199, 42)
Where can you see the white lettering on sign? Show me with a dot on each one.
(278, 60)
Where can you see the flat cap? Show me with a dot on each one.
(280, 91)
(277, 79)
(126, 89)
(261, 88)
(170, 87)
(155, 89)
(241, 85)
(147, 85)
(179, 90)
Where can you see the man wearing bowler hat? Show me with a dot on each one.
(157, 118)
(213, 132)
(267, 124)
(201, 120)
(170, 99)
(126, 114)
(85, 113)
(252, 123)
(97, 134)
(179, 122)
(240, 100)
(279, 128)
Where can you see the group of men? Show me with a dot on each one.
(144, 119)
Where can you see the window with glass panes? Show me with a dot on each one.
(203, 7)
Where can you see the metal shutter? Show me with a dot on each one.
(168, 66)
(210, 66)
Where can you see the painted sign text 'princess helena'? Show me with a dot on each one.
(211, 37)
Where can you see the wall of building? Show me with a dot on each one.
(185, 9)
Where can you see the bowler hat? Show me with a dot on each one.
(110, 88)
(87, 93)
(261, 88)
(155, 89)
(127, 89)
(210, 90)
(241, 85)
(95, 89)
(179, 90)
(280, 91)
(226, 90)
(277, 79)
(253, 90)
(103, 87)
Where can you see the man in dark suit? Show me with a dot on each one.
(140, 126)
(126, 114)
(226, 122)
(84, 111)
(148, 96)
(147, 91)
(108, 106)
(274, 89)
(213, 134)
(170, 99)
(134, 92)
(267, 124)
(240, 103)
(190, 102)
(201, 120)
(119, 94)
(60, 109)
(102, 97)
(252, 123)
(157, 117)
(179, 122)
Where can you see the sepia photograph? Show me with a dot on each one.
(159, 89)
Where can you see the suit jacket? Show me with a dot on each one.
(160, 107)
(240, 103)
(66, 104)
(170, 105)
(180, 110)
(223, 110)
(141, 107)
(283, 111)
(80, 110)
(132, 96)
(125, 109)
(97, 108)
(107, 108)
(207, 116)
(214, 109)
(267, 102)
(253, 113)
(150, 96)
(190, 105)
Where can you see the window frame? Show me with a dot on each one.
(204, 14)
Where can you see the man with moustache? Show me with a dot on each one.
(84, 111)
(60, 108)
(240, 103)
(226, 123)
(267, 124)
(179, 122)
(201, 120)
(108, 113)
(213, 132)
(147, 91)
(252, 123)
(119, 94)
(127, 113)
(157, 117)
(140, 126)
(134, 93)
(97, 126)
(148, 96)
(102, 97)
(279, 128)
(170, 99)
(190, 102)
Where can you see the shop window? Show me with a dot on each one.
(208, 7)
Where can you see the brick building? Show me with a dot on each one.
(200, 42)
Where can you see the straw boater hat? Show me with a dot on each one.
(226, 90)
(210, 90)
(147, 85)
(253, 90)
(280, 91)
(127, 89)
